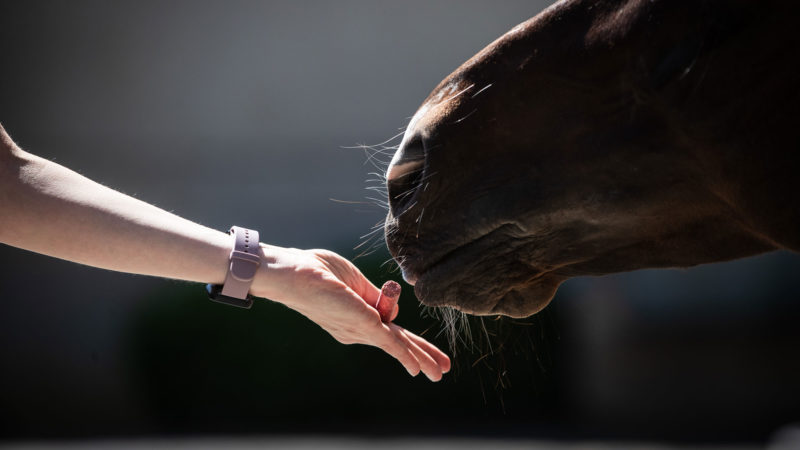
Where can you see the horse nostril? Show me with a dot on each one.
(404, 175)
(402, 189)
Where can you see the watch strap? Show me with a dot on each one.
(243, 263)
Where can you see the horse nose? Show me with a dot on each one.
(404, 175)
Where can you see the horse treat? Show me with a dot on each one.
(390, 293)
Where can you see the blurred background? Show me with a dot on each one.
(191, 104)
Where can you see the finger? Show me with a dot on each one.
(395, 312)
(397, 348)
(427, 364)
(439, 356)
(390, 293)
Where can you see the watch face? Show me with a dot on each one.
(215, 294)
(213, 290)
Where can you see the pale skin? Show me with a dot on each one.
(49, 209)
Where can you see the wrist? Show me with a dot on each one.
(282, 276)
(272, 277)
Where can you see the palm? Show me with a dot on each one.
(341, 300)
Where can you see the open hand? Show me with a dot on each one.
(332, 292)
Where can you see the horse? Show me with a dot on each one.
(600, 136)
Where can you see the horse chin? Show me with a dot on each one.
(493, 285)
(526, 300)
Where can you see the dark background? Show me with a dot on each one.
(185, 104)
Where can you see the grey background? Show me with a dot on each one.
(206, 108)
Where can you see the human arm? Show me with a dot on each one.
(52, 210)
(49, 209)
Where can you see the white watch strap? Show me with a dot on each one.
(243, 263)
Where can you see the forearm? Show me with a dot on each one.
(50, 209)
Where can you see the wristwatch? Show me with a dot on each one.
(242, 267)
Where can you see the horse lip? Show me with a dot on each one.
(409, 277)
(479, 244)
